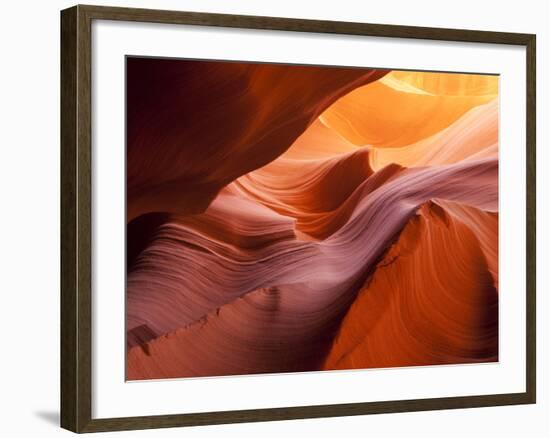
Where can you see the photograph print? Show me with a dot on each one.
(302, 218)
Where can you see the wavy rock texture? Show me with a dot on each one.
(286, 218)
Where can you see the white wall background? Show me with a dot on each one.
(29, 215)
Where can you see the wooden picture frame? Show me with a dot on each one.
(76, 170)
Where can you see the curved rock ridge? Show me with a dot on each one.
(431, 300)
(197, 264)
(298, 218)
(310, 191)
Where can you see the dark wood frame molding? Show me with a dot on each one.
(76, 305)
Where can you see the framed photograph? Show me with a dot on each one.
(270, 218)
